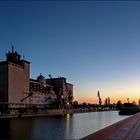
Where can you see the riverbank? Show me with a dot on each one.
(48, 112)
(127, 129)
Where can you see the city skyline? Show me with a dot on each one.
(95, 45)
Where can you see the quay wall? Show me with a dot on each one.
(38, 113)
(44, 112)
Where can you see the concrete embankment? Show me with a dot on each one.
(37, 114)
(40, 112)
(45, 112)
(127, 129)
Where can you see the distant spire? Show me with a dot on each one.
(12, 48)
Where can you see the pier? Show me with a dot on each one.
(128, 129)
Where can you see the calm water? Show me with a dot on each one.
(57, 127)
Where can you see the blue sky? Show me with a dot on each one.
(96, 45)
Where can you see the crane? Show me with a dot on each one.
(99, 97)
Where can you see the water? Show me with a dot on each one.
(73, 126)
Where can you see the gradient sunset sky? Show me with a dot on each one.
(94, 44)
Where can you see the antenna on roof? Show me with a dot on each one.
(50, 76)
(12, 48)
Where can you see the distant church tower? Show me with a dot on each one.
(14, 78)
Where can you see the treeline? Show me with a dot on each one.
(115, 106)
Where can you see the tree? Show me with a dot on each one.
(106, 103)
(75, 104)
(134, 103)
(84, 105)
(119, 105)
(139, 102)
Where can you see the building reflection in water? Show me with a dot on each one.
(68, 130)
(15, 129)
(20, 130)
(4, 129)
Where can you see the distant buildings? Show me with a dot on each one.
(17, 87)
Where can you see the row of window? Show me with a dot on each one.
(38, 93)
(37, 87)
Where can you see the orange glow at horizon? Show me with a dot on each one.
(117, 88)
(113, 98)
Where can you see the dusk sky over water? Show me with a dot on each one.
(95, 45)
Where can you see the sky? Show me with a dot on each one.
(94, 44)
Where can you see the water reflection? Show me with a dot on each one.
(68, 126)
(50, 127)
(67, 129)
(4, 129)
(57, 127)
(20, 130)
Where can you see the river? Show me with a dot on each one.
(73, 126)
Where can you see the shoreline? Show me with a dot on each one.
(52, 112)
